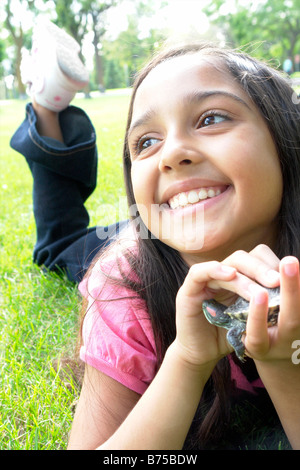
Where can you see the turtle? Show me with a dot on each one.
(234, 318)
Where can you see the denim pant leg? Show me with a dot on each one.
(64, 176)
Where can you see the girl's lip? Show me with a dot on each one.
(189, 185)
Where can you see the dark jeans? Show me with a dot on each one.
(64, 176)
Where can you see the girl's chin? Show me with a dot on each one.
(186, 246)
(202, 247)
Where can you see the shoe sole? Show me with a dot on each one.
(71, 65)
(67, 50)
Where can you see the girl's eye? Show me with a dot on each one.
(211, 119)
(145, 142)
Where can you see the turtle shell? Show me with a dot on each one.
(240, 309)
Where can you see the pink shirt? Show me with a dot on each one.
(117, 334)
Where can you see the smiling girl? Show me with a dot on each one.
(212, 169)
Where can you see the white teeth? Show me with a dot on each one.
(182, 199)
(211, 193)
(192, 197)
(174, 203)
(202, 194)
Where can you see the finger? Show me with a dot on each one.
(264, 253)
(261, 264)
(190, 321)
(257, 337)
(205, 277)
(200, 274)
(289, 316)
(241, 285)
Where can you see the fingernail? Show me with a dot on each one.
(260, 297)
(290, 269)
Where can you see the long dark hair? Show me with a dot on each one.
(161, 270)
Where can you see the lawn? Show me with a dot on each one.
(39, 312)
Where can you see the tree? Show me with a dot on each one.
(96, 12)
(131, 50)
(114, 76)
(2, 56)
(77, 16)
(70, 17)
(272, 26)
(17, 34)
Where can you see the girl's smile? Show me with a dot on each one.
(205, 171)
(183, 193)
(185, 203)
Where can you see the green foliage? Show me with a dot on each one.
(270, 29)
(129, 52)
(114, 76)
(78, 18)
(2, 57)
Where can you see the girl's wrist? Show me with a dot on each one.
(282, 382)
(283, 366)
(279, 373)
(198, 372)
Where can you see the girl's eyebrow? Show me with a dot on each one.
(202, 95)
(196, 96)
(146, 117)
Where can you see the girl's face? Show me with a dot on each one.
(205, 171)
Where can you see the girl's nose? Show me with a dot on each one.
(176, 153)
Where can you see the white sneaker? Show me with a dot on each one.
(53, 70)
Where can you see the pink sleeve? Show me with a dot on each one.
(117, 334)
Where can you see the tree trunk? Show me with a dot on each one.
(98, 62)
(20, 85)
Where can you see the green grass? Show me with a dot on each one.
(39, 312)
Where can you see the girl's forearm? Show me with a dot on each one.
(282, 382)
(162, 417)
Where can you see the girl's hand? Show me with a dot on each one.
(275, 343)
(199, 342)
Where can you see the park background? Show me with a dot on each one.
(118, 36)
(39, 312)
